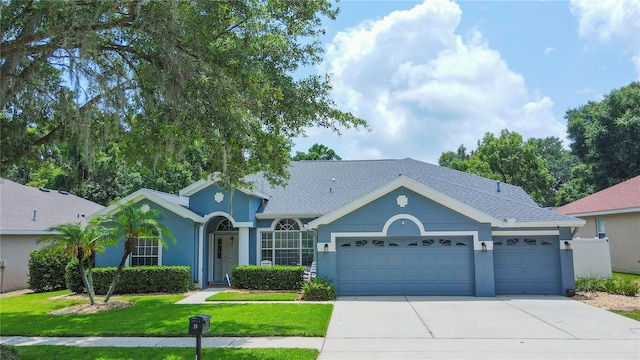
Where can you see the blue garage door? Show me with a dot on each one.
(415, 266)
(526, 265)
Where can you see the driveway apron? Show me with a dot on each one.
(530, 327)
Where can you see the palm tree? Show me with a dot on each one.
(133, 223)
(81, 241)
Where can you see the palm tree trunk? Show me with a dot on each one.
(116, 277)
(86, 283)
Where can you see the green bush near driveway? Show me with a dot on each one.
(318, 290)
(267, 277)
(28, 315)
(622, 285)
(141, 353)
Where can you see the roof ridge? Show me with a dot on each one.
(493, 194)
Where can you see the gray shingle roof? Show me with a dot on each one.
(176, 199)
(308, 190)
(17, 203)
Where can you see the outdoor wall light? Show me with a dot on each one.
(484, 247)
(567, 245)
(326, 248)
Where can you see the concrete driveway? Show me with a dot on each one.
(527, 327)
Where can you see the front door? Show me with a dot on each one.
(228, 246)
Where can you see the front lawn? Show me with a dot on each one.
(633, 277)
(28, 315)
(140, 353)
(253, 296)
(634, 314)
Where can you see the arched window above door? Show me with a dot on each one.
(225, 225)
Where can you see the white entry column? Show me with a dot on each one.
(243, 246)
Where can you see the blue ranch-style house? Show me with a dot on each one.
(380, 227)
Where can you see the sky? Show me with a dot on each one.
(431, 75)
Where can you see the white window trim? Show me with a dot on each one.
(272, 229)
(159, 250)
(598, 230)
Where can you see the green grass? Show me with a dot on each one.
(254, 296)
(139, 353)
(633, 277)
(28, 315)
(635, 314)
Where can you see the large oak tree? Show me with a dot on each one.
(159, 76)
(606, 136)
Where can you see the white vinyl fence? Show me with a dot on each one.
(591, 257)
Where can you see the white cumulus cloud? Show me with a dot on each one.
(610, 20)
(425, 89)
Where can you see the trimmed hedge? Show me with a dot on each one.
(143, 279)
(318, 290)
(47, 270)
(267, 277)
(73, 278)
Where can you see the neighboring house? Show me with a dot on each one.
(25, 214)
(382, 227)
(613, 213)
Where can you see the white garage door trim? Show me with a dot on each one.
(477, 245)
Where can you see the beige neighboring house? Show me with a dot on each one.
(613, 213)
(25, 214)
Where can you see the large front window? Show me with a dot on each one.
(287, 244)
(146, 253)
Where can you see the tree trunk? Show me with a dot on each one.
(86, 283)
(116, 277)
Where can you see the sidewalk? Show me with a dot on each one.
(236, 342)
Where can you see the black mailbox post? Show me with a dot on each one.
(199, 325)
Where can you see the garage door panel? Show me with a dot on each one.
(404, 269)
(526, 266)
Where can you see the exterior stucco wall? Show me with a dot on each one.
(243, 207)
(434, 217)
(623, 231)
(15, 249)
(183, 252)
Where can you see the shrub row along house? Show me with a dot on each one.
(382, 227)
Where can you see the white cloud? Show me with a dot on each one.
(425, 89)
(548, 50)
(610, 20)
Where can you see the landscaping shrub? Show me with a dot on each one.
(73, 278)
(626, 286)
(318, 290)
(619, 285)
(267, 277)
(144, 279)
(47, 269)
(590, 284)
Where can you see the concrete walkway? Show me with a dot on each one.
(201, 296)
(244, 342)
